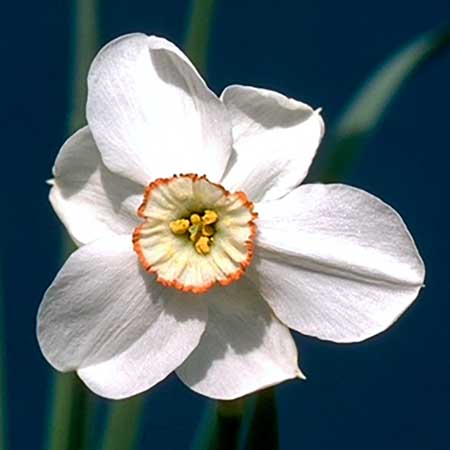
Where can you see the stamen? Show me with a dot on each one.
(202, 245)
(209, 217)
(201, 229)
(195, 219)
(207, 230)
(179, 226)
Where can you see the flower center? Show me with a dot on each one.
(199, 228)
(195, 233)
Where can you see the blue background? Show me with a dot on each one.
(391, 392)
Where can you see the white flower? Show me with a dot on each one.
(216, 265)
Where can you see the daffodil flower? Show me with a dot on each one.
(199, 249)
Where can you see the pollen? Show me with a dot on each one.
(198, 228)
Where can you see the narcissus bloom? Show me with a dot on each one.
(198, 249)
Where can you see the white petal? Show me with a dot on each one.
(108, 319)
(91, 201)
(335, 262)
(244, 347)
(275, 140)
(151, 113)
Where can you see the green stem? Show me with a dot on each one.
(71, 411)
(123, 424)
(263, 428)
(85, 44)
(198, 32)
(221, 426)
(229, 423)
(69, 424)
(206, 430)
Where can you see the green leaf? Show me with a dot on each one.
(364, 112)
(198, 32)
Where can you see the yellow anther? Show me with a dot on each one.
(202, 245)
(179, 226)
(195, 219)
(200, 229)
(207, 230)
(209, 217)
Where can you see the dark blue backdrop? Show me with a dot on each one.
(392, 392)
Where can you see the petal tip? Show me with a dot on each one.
(299, 374)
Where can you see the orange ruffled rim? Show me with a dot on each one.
(201, 289)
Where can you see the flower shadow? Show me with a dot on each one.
(238, 325)
(86, 167)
